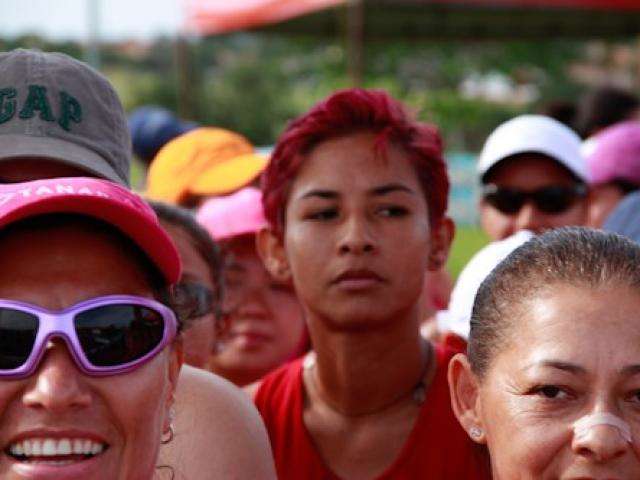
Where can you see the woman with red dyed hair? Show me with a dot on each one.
(355, 195)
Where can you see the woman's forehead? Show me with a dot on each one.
(351, 164)
(72, 259)
(575, 324)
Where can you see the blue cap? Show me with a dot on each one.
(152, 127)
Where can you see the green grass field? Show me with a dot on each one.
(468, 240)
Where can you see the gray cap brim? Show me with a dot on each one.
(14, 146)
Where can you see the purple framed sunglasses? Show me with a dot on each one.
(105, 335)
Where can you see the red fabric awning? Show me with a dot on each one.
(578, 4)
(209, 17)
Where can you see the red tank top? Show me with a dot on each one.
(437, 448)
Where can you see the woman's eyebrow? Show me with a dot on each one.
(375, 191)
(321, 193)
(390, 188)
(630, 370)
(558, 365)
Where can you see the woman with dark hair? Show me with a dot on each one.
(198, 294)
(551, 381)
(355, 195)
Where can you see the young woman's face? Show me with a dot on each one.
(357, 239)
(201, 336)
(122, 415)
(574, 352)
(266, 326)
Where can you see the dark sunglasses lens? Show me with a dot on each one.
(18, 331)
(506, 200)
(114, 335)
(193, 300)
(554, 199)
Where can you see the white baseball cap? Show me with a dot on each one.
(534, 133)
(457, 318)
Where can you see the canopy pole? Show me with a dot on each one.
(355, 41)
(185, 80)
(92, 50)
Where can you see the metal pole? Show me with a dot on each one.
(355, 41)
(92, 52)
(186, 82)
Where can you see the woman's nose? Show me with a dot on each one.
(356, 237)
(601, 443)
(57, 385)
(246, 294)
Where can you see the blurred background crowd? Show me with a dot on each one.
(465, 66)
(209, 87)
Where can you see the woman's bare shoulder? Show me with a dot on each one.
(218, 432)
(251, 390)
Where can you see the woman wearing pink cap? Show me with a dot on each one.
(355, 195)
(266, 326)
(98, 145)
(89, 352)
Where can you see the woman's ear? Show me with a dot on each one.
(464, 388)
(441, 238)
(270, 247)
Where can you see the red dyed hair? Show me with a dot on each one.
(350, 111)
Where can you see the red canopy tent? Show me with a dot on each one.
(597, 4)
(420, 18)
(210, 17)
(363, 21)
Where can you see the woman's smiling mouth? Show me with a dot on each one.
(54, 450)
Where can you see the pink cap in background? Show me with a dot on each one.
(101, 199)
(232, 215)
(616, 155)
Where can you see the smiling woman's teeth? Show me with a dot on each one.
(55, 447)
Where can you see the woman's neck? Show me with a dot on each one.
(364, 373)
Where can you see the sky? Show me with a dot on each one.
(70, 19)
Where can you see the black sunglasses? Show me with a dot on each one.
(553, 199)
(193, 300)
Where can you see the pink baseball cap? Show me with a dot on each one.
(616, 155)
(101, 199)
(236, 214)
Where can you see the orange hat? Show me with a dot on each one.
(205, 161)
